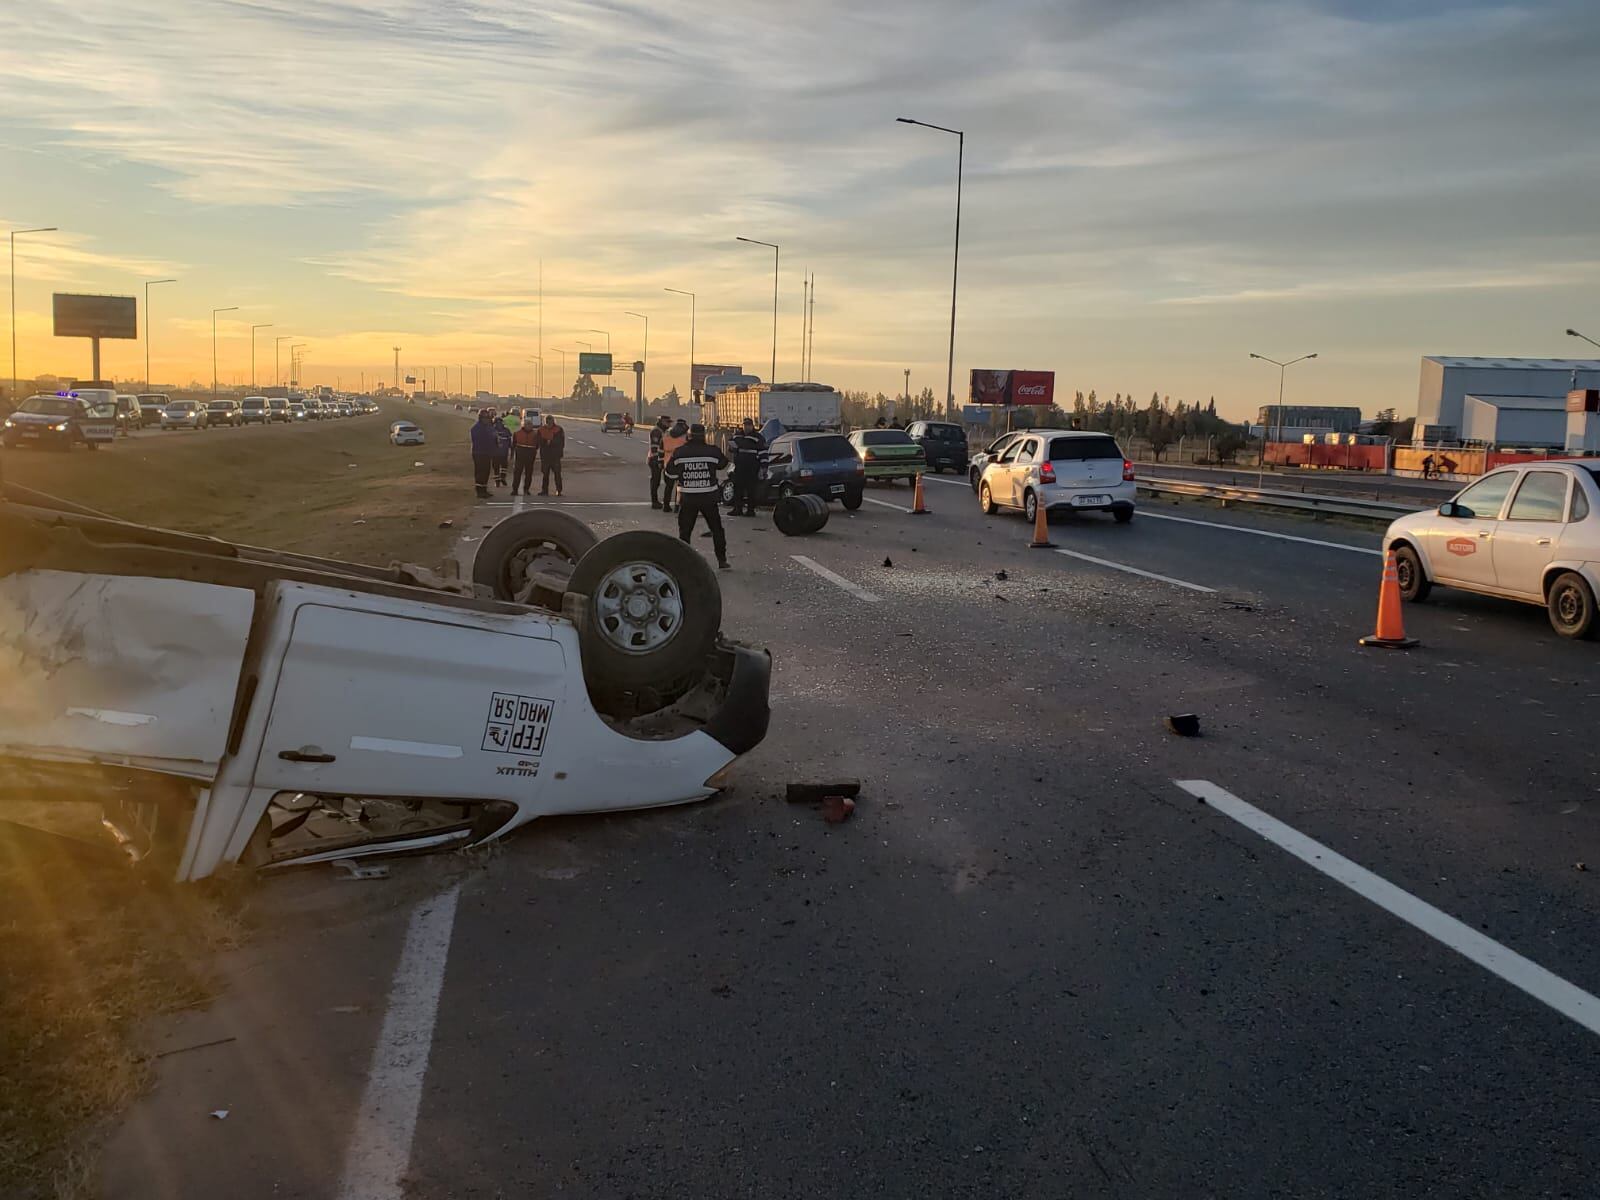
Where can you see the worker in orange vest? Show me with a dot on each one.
(677, 436)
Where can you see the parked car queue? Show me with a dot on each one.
(94, 417)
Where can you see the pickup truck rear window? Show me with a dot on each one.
(1074, 449)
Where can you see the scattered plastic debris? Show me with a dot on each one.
(446, 524)
(887, 562)
(355, 870)
(1001, 575)
(219, 1114)
(837, 809)
(417, 464)
(1184, 724)
(359, 521)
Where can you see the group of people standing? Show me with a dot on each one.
(681, 458)
(495, 446)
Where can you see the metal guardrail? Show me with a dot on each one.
(1378, 511)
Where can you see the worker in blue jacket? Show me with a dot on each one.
(485, 446)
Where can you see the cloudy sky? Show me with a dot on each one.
(1153, 189)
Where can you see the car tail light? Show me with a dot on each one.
(870, 454)
(1047, 473)
(1127, 471)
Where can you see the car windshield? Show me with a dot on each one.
(251, 402)
(49, 406)
(183, 406)
(1068, 449)
(885, 437)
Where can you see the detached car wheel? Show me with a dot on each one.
(1571, 606)
(529, 541)
(1414, 582)
(651, 610)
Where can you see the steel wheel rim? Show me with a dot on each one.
(638, 607)
(1569, 605)
(1402, 570)
(1030, 506)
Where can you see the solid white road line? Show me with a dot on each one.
(1116, 566)
(1519, 972)
(942, 479)
(379, 1153)
(812, 565)
(886, 504)
(1147, 515)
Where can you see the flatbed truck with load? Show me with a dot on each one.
(797, 407)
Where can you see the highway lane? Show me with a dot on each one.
(1032, 964)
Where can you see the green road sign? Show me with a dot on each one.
(594, 364)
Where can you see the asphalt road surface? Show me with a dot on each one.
(1340, 945)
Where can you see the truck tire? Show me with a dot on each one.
(648, 620)
(796, 516)
(546, 540)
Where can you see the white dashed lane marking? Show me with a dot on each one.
(1116, 566)
(860, 593)
(1567, 999)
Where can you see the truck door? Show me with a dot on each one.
(371, 703)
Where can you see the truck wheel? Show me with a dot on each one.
(650, 613)
(537, 541)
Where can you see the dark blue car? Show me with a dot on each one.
(809, 464)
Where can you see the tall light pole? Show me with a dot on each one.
(644, 358)
(563, 354)
(1261, 467)
(214, 312)
(14, 233)
(689, 395)
(490, 365)
(536, 386)
(277, 343)
(773, 376)
(955, 268)
(294, 375)
(608, 337)
(1584, 336)
(253, 329)
(148, 284)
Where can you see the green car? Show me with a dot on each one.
(889, 454)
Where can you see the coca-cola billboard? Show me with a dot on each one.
(1013, 387)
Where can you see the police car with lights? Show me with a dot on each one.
(61, 421)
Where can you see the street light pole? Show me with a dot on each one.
(1261, 466)
(644, 358)
(214, 312)
(486, 363)
(14, 233)
(277, 373)
(294, 374)
(253, 329)
(1584, 337)
(689, 396)
(148, 284)
(955, 268)
(772, 378)
(536, 385)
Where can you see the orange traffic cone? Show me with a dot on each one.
(1391, 631)
(1041, 528)
(918, 508)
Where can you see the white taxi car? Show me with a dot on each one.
(1529, 532)
(1065, 470)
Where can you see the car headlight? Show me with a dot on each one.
(60, 427)
(10, 424)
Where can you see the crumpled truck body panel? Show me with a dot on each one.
(122, 670)
(300, 689)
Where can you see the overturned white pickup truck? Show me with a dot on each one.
(235, 704)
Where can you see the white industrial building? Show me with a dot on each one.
(1499, 401)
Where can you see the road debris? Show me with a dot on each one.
(1001, 575)
(1578, 866)
(355, 870)
(446, 524)
(1184, 724)
(887, 562)
(359, 521)
(837, 809)
(196, 1046)
(219, 1114)
(810, 793)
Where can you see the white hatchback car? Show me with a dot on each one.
(404, 433)
(1530, 532)
(1065, 470)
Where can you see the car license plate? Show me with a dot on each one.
(1089, 501)
(30, 433)
(836, 490)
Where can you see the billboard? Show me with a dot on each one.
(700, 372)
(95, 316)
(594, 364)
(1013, 387)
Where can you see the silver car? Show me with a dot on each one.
(1529, 532)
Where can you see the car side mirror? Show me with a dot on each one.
(1451, 509)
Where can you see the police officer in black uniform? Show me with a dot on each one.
(656, 459)
(693, 468)
(747, 448)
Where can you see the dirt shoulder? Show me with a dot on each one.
(333, 488)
